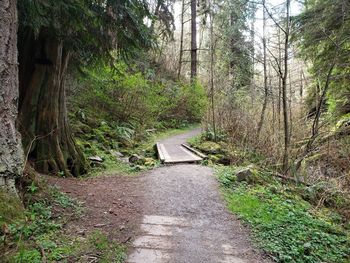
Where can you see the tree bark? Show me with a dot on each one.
(181, 39)
(266, 91)
(193, 40)
(279, 81)
(252, 39)
(284, 93)
(11, 153)
(272, 101)
(290, 101)
(212, 71)
(42, 110)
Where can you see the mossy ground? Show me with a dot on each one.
(104, 142)
(35, 234)
(284, 224)
(288, 220)
(11, 209)
(54, 247)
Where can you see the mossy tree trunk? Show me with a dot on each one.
(11, 154)
(43, 115)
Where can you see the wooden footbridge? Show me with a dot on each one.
(175, 150)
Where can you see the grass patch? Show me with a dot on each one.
(285, 225)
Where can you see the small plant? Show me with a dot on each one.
(226, 175)
(31, 230)
(28, 256)
(32, 188)
(217, 135)
(284, 226)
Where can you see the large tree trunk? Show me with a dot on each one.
(11, 154)
(42, 109)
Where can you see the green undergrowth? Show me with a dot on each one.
(284, 224)
(11, 209)
(120, 110)
(219, 151)
(95, 247)
(105, 143)
(34, 233)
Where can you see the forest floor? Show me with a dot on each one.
(169, 214)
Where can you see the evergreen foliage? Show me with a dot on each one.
(322, 33)
(124, 94)
(90, 28)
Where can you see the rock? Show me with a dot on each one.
(96, 158)
(151, 130)
(116, 154)
(224, 160)
(81, 128)
(219, 158)
(245, 175)
(138, 168)
(81, 115)
(214, 158)
(136, 159)
(87, 145)
(124, 159)
(81, 232)
(100, 225)
(150, 162)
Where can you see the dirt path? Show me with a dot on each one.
(111, 205)
(173, 214)
(185, 219)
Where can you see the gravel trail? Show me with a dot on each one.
(185, 219)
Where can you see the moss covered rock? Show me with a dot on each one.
(248, 174)
(210, 147)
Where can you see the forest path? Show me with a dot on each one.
(185, 218)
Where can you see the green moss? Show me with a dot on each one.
(215, 158)
(209, 147)
(194, 141)
(11, 208)
(39, 233)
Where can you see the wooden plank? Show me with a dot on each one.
(179, 154)
(160, 153)
(194, 151)
(172, 161)
(186, 157)
(187, 152)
